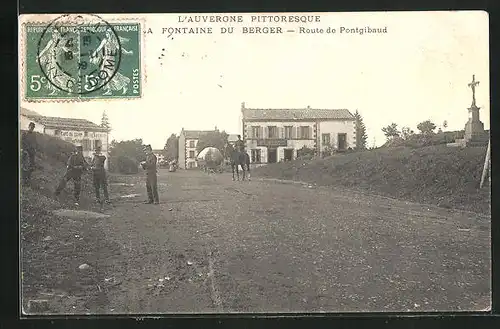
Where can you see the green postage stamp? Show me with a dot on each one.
(81, 57)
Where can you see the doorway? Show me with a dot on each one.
(341, 142)
(288, 154)
(272, 155)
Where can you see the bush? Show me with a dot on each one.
(124, 165)
(53, 147)
(422, 140)
(305, 153)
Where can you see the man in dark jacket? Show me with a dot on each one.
(239, 144)
(28, 146)
(99, 175)
(74, 170)
(151, 179)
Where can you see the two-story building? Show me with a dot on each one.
(76, 131)
(188, 139)
(273, 135)
(160, 157)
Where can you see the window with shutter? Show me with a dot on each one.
(304, 132)
(297, 134)
(272, 132)
(325, 139)
(310, 134)
(261, 135)
(255, 132)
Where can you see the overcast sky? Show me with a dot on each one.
(418, 70)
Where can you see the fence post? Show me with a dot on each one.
(486, 166)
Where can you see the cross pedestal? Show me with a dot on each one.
(474, 128)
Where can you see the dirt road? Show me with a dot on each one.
(214, 245)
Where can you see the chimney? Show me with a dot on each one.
(308, 107)
(242, 105)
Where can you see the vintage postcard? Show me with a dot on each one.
(254, 163)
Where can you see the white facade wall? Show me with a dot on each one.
(335, 127)
(317, 128)
(294, 143)
(191, 162)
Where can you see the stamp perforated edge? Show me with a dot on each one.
(22, 49)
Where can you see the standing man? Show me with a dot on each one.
(151, 179)
(28, 147)
(99, 175)
(240, 145)
(74, 170)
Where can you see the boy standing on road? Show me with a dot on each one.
(74, 170)
(99, 175)
(151, 179)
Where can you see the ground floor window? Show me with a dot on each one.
(255, 155)
(288, 154)
(97, 143)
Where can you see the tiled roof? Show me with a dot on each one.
(28, 113)
(296, 114)
(69, 123)
(195, 134)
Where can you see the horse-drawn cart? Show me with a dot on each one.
(210, 160)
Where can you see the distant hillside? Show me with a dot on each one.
(448, 177)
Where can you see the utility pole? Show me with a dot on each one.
(486, 167)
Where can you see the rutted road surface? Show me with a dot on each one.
(214, 245)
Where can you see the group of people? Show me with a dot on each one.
(76, 166)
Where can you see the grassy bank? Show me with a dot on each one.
(440, 175)
(52, 248)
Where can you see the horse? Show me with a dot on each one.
(240, 158)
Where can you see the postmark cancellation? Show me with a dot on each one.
(80, 57)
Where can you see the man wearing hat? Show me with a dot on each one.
(239, 144)
(75, 167)
(99, 175)
(28, 147)
(151, 179)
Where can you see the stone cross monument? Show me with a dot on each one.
(474, 128)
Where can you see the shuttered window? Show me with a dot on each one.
(305, 132)
(272, 132)
(255, 132)
(255, 155)
(288, 132)
(325, 139)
